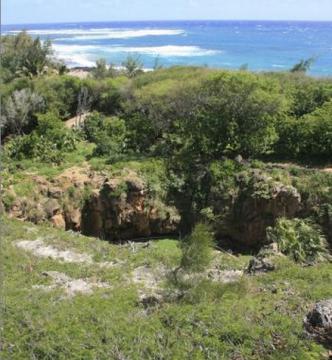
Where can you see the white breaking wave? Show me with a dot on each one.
(167, 50)
(125, 34)
(76, 55)
(77, 60)
(105, 33)
(85, 55)
(60, 48)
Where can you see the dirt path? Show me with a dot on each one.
(76, 121)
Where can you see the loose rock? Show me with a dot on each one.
(260, 265)
(318, 323)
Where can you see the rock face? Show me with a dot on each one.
(80, 199)
(121, 207)
(122, 210)
(318, 323)
(257, 205)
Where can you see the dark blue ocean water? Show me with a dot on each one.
(262, 45)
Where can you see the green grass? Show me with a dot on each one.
(258, 318)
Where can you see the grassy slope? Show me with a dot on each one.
(258, 318)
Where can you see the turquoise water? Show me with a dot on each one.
(261, 45)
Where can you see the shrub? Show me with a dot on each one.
(102, 70)
(109, 135)
(17, 114)
(93, 124)
(22, 55)
(300, 239)
(107, 93)
(303, 66)
(197, 249)
(60, 93)
(111, 141)
(133, 66)
(309, 136)
(47, 143)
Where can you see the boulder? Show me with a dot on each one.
(51, 207)
(42, 183)
(73, 219)
(55, 192)
(58, 221)
(16, 209)
(318, 323)
(259, 265)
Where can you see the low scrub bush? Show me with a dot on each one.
(48, 143)
(108, 133)
(300, 239)
(197, 249)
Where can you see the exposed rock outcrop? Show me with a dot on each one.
(258, 203)
(115, 208)
(121, 207)
(122, 210)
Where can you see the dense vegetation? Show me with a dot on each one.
(217, 145)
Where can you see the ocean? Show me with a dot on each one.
(260, 45)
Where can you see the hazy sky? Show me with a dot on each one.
(44, 11)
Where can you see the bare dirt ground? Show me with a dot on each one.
(40, 249)
(70, 286)
(76, 121)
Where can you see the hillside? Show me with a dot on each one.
(82, 301)
(184, 213)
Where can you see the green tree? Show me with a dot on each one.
(102, 70)
(24, 56)
(307, 137)
(133, 66)
(197, 249)
(49, 142)
(93, 124)
(19, 109)
(303, 66)
(108, 133)
(111, 140)
(61, 93)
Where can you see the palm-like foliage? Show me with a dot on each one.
(303, 66)
(22, 55)
(133, 66)
(300, 239)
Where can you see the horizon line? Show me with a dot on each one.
(164, 20)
